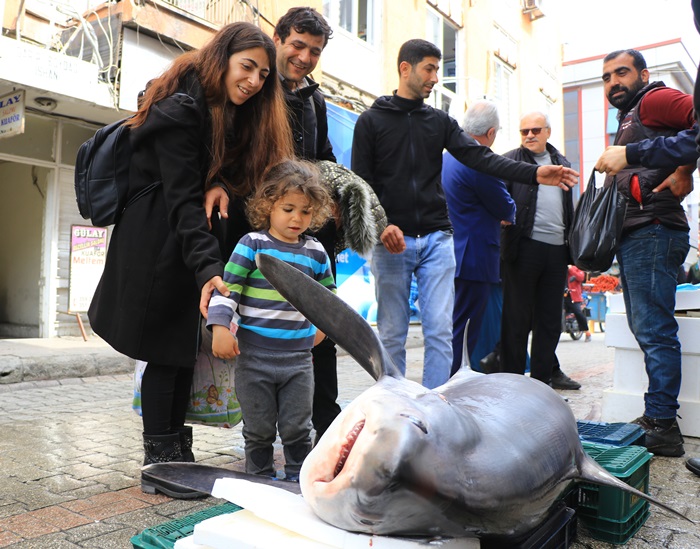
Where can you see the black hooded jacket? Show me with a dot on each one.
(397, 148)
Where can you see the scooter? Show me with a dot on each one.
(569, 324)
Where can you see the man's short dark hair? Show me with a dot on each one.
(414, 51)
(303, 20)
(638, 60)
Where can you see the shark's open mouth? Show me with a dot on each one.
(347, 446)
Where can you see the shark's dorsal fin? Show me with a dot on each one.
(330, 314)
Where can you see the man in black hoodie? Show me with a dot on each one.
(397, 148)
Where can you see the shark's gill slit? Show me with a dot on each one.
(349, 443)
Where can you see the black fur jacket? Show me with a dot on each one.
(362, 218)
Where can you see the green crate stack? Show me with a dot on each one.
(165, 535)
(611, 514)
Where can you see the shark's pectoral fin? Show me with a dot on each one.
(330, 314)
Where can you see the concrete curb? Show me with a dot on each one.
(37, 360)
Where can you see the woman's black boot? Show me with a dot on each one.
(186, 443)
(161, 449)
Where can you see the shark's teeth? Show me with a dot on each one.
(349, 443)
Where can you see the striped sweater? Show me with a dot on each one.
(266, 318)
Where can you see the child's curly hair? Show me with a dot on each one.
(290, 176)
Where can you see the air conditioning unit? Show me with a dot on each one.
(533, 8)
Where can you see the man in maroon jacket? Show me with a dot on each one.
(654, 241)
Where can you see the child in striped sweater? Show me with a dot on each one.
(273, 341)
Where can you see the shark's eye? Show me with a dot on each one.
(417, 422)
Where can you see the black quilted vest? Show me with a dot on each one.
(660, 207)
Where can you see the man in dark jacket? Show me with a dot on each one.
(654, 241)
(535, 256)
(397, 148)
(300, 37)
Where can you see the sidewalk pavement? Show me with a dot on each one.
(71, 446)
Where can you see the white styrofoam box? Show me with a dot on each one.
(690, 383)
(244, 530)
(629, 375)
(281, 518)
(188, 543)
(618, 334)
(616, 303)
(625, 401)
(686, 300)
(619, 406)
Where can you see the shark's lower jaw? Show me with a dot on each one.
(347, 446)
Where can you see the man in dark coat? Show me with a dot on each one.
(300, 37)
(397, 148)
(535, 256)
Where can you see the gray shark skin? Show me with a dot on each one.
(482, 455)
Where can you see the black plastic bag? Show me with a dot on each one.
(595, 232)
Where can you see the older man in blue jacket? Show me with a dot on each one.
(477, 205)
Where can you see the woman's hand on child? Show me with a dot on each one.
(224, 343)
(214, 283)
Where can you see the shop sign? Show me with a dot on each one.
(88, 250)
(12, 114)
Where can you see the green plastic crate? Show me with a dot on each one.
(165, 535)
(611, 510)
(615, 532)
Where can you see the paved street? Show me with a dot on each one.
(71, 452)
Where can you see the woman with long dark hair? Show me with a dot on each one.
(215, 116)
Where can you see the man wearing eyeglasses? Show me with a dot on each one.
(535, 259)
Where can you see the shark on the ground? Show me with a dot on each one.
(485, 455)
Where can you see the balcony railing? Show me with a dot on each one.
(219, 12)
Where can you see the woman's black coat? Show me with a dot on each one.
(161, 253)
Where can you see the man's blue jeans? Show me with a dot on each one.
(649, 261)
(431, 258)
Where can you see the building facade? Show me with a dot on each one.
(68, 67)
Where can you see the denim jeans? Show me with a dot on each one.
(431, 257)
(649, 260)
